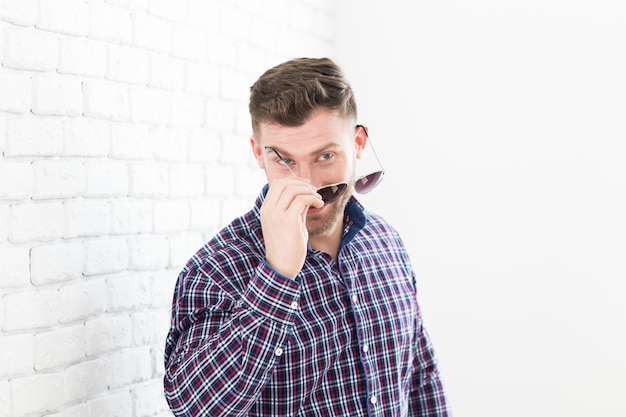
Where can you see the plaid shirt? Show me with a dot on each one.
(342, 339)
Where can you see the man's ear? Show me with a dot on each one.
(257, 151)
(360, 140)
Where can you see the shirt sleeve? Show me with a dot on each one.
(428, 398)
(220, 355)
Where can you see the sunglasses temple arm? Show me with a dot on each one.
(268, 148)
(372, 146)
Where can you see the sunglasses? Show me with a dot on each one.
(330, 193)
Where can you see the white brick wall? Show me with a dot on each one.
(120, 126)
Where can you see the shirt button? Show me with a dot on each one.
(373, 399)
(278, 352)
(294, 305)
(354, 298)
(366, 348)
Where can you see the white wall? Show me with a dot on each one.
(502, 125)
(123, 146)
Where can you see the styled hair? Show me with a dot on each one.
(288, 93)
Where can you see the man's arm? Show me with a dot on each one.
(428, 398)
(221, 356)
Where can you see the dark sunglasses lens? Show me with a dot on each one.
(367, 183)
(332, 192)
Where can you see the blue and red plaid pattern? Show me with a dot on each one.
(342, 339)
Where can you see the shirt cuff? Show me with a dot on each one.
(272, 294)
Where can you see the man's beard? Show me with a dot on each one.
(319, 224)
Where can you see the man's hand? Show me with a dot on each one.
(283, 220)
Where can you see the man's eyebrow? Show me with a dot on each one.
(285, 154)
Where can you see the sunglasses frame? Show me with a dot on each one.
(328, 192)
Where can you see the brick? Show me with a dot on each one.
(30, 49)
(233, 85)
(57, 95)
(234, 22)
(64, 16)
(204, 13)
(131, 216)
(3, 135)
(222, 50)
(235, 150)
(16, 180)
(171, 216)
(110, 23)
(243, 126)
(186, 180)
(106, 100)
(130, 4)
(183, 48)
(15, 266)
(87, 378)
(56, 263)
(4, 222)
(250, 60)
(205, 214)
(233, 207)
(202, 78)
(219, 115)
(58, 178)
(86, 137)
(187, 110)
(149, 398)
(128, 64)
(149, 180)
(129, 366)
(16, 92)
(203, 146)
(37, 393)
(35, 222)
(19, 12)
(60, 347)
(93, 377)
(17, 354)
(150, 326)
(169, 144)
(168, 10)
(106, 179)
(78, 410)
(87, 218)
(5, 397)
(107, 333)
(162, 287)
(152, 33)
(82, 300)
(33, 137)
(129, 292)
(72, 57)
(130, 141)
(149, 105)
(166, 72)
(182, 246)
(114, 404)
(249, 178)
(105, 256)
(220, 180)
(148, 252)
(31, 309)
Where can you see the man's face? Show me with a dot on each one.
(323, 150)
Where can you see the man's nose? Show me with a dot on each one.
(304, 171)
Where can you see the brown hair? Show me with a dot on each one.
(288, 93)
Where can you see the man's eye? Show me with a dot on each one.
(285, 161)
(326, 156)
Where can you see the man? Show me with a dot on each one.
(306, 305)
